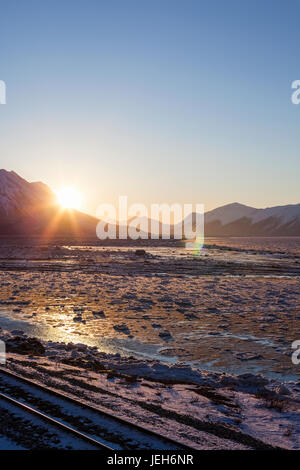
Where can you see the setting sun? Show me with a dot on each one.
(69, 198)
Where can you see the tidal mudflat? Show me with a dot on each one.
(197, 345)
(233, 307)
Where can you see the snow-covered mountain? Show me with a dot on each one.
(229, 213)
(31, 209)
(19, 198)
(239, 220)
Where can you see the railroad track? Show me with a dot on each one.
(27, 412)
(82, 425)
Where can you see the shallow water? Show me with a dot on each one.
(226, 322)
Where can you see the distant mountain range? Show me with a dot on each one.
(239, 220)
(30, 209)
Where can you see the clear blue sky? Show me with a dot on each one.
(160, 100)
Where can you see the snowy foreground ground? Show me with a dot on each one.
(203, 409)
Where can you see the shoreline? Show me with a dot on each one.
(236, 403)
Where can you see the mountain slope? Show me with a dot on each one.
(230, 213)
(20, 198)
(30, 209)
(240, 220)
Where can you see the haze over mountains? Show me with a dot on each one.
(30, 209)
(240, 220)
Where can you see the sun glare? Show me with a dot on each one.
(69, 198)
